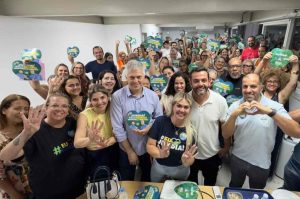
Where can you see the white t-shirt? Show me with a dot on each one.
(205, 119)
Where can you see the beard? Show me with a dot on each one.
(199, 92)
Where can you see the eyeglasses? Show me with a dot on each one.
(56, 106)
(245, 65)
(272, 82)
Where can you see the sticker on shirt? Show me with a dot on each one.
(187, 190)
(222, 87)
(175, 63)
(183, 136)
(73, 51)
(158, 82)
(137, 120)
(149, 192)
(280, 57)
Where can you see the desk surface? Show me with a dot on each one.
(132, 186)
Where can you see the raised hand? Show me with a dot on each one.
(33, 122)
(267, 56)
(189, 155)
(117, 42)
(164, 149)
(293, 59)
(94, 133)
(54, 84)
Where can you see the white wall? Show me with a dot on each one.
(52, 38)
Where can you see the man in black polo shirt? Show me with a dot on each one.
(100, 64)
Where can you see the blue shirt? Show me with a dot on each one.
(121, 104)
(97, 68)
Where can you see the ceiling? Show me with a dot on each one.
(159, 12)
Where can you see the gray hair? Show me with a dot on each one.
(135, 65)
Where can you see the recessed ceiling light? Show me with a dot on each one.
(150, 13)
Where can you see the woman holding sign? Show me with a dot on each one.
(170, 140)
(94, 131)
(179, 82)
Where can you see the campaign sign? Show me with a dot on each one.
(73, 51)
(130, 39)
(31, 54)
(213, 45)
(158, 82)
(187, 190)
(175, 63)
(154, 43)
(145, 62)
(224, 88)
(232, 98)
(27, 71)
(280, 57)
(138, 120)
(147, 192)
(192, 66)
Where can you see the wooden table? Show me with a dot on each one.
(132, 186)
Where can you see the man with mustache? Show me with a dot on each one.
(207, 113)
(253, 121)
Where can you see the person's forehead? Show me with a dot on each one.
(253, 80)
(199, 75)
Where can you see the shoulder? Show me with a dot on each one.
(91, 63)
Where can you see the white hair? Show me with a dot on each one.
(135, 65)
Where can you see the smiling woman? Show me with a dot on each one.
(169, 142)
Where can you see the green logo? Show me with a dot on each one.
(158, 82)
(188, 190)
(57, 150)
(73, 51)
(138, 120)
(280, 57)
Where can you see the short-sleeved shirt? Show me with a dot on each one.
(163, 130)
(254, 135)
(205, 119)
(57, 169)
(97, 68)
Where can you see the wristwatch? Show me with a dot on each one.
(272, 113)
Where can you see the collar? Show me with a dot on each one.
(129, 94)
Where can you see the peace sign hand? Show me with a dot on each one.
(164, 150)
(189, 155)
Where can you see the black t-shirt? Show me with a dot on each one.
(163, 130)
(237, 88)
(57, 169)
(97, 68)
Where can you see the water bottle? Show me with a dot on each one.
(123, 194)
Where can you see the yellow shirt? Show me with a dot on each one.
(106, 130)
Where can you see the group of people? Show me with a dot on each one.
(118, 120)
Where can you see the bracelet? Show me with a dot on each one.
(272, 113)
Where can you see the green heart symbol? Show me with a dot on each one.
(213, 45)
(31, 54)
(29, 71)
(138, 120)
(145, 62)
(280, 57)
(147, 192)
(175, 63)
(192, 66)
(187, 190)
(73, 51)
(158, 82)
(224, 88)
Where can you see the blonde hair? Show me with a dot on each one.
(187, 122)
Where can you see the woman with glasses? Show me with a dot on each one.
(78, 70)
(57, 169)
(248, 67)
